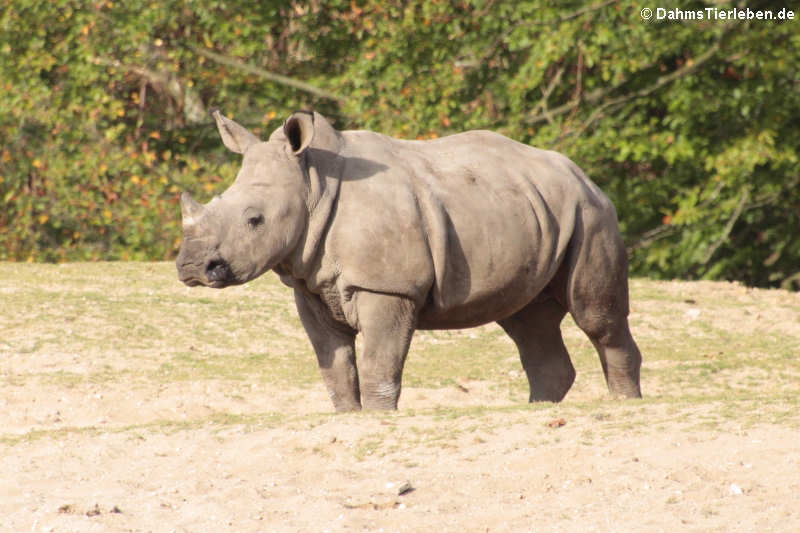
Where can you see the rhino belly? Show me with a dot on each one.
(487, 284)
(489, 308)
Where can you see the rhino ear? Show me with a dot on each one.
(236, 137)
(191, 209)
(299, 131)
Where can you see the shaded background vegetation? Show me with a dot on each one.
(692, 127)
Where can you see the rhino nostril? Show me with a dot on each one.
(218, 270)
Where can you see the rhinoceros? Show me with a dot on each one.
(382, 237)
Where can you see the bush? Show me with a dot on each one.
(691, 127)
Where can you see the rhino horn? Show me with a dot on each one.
(191, 209)
(236, 137)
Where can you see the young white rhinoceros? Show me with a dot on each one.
(384, 236)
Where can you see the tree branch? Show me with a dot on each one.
(601, 93)
(650, 236)
(156, 78)
(568, 16)
(265, 74)
(556, 79)
(504, 35)
(187, 100)
(728, 227)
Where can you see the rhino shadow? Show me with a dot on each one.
(352, 168)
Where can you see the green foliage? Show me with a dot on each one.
(691, 127)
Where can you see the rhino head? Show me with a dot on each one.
(260, 219)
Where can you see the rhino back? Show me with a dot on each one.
(472, 226)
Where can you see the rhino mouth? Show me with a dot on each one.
(197, 282)
(189, 276)
(216, 274)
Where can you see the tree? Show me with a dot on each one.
(691, 126)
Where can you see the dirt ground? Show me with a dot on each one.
(248, 454)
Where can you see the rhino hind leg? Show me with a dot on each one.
(596, 294)
(536, 331)
(620, 358)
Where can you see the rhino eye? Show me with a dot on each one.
(255, 221)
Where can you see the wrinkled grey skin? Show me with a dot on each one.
(381, 237)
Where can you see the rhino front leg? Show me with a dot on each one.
(387, 323)
(334, 345)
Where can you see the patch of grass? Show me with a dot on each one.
(713, 353)
(221, 420)
(441, 358)
(194, 365)
(62, 378)
(368, 446)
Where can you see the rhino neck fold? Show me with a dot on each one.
(324, 167)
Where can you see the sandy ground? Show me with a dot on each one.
(247, 455)
(505, 470)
